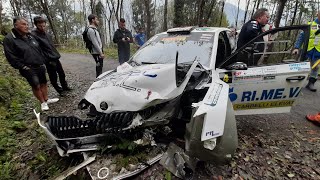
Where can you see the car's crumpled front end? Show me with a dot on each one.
(126, 101)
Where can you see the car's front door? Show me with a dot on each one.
(274, 77)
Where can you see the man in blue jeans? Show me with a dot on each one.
(313, 52)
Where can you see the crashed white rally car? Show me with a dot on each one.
(188, 83)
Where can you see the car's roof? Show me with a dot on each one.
(197, 29)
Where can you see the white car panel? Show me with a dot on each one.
(262, 90)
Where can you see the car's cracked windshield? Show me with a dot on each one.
(162, 49)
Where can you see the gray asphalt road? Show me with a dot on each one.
(270, 146)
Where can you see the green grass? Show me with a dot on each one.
(24, 147)
(14, 94)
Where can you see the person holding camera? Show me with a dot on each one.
(123, 38)
(51, 54)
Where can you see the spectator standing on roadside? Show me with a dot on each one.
(97, 48)
(24, 53)
(123, 38)
(140, 38)
(53, 63)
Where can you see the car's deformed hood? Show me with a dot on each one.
(135, 88)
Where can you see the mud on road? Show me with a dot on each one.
(272, 146)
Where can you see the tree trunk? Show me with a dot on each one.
(294, 16)
(200, 12)
(258, 4)
(84, 12)
(165, 16)
(279, 12)
(111, 13)
(287, 15)
(272, 12)
(117, 11)
(237, 14)
(246, 12)
(178, 13)
(222, 10)
(147, 8)
(255, 2)
(121, 8)
(14, 8)
(93, 6)
(45, 7)
(300, 16)
(212, 5)
(1, 16)
(64, 20)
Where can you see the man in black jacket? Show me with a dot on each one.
(23, 53)
(53, 64)
(123, 38)
(249, 31)
(253, 28)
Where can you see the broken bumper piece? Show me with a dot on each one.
(71, 134)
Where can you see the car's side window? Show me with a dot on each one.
(224, 49)
(272, 47)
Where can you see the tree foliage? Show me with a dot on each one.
(67, 18)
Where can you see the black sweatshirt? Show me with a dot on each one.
(118, 35)
(46, 44)
(22, 51)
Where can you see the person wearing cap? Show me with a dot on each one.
(123, 37)
(23, 52)
(52, 55)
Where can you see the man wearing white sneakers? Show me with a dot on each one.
(23, 53)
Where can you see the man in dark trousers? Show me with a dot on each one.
(23, 52)
(53, 64)
(123, 38)
(96, 49)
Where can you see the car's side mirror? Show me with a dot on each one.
(237, 66)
